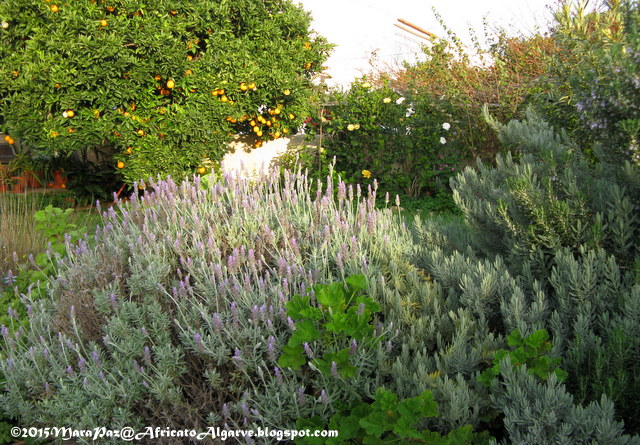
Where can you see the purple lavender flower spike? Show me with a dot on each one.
(323, 397)
(225, 411)
(334, 370)
(307, 350)
(354, 347)
(197, 338)
(271, 348)
(96, 357)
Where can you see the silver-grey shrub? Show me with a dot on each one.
(172, 314)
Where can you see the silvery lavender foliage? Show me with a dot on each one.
(174, 313)
(540, 413)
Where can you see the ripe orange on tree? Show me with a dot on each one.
(202, 170)
(55, 8)
(120, 165)
(171, 84)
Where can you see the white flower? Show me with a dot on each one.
(446, 126)
(64, 114)
(386, 100)
(443, 141)
(5, 25)
(366, 85)
(410, 112)
(400, 100)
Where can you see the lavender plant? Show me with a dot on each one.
(174, 311)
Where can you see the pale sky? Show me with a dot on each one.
(361, 27)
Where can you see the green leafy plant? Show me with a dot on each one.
(341, 322)
(159, 87)
(532, 352)
(387, 420)
(399, 139)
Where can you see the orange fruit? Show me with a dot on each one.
(170, 84)
(110, 8)
(55, 8)
(202, 170)
(276, 111)
(58, 85)
(54, 134)
(307, 65)
(259, 133)
(243, 86)
(252, 86)
(120, 164)
(287, 92)
(224, 99)
(103, 23)
(10, 141)
(140, 132)
(256, 129)
(70, 113)
(188, 72)
(129, 150)
(291, 116)
(252, 123)
(70, 130)
(133, 107)
(63, 186)
(7, 137)
(214, 93)
(157, 77)
(189, 57)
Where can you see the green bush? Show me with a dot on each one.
(154, 89)
(503, 71)
(402, 141)
(568, 228)
(593, 80)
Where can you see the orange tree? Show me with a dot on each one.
(160, 87)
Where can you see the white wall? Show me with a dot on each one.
(361, 27)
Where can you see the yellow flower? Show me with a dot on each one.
(366, 173)
(350, 127)
(356, 126)
(386, 100)
(366, 85)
